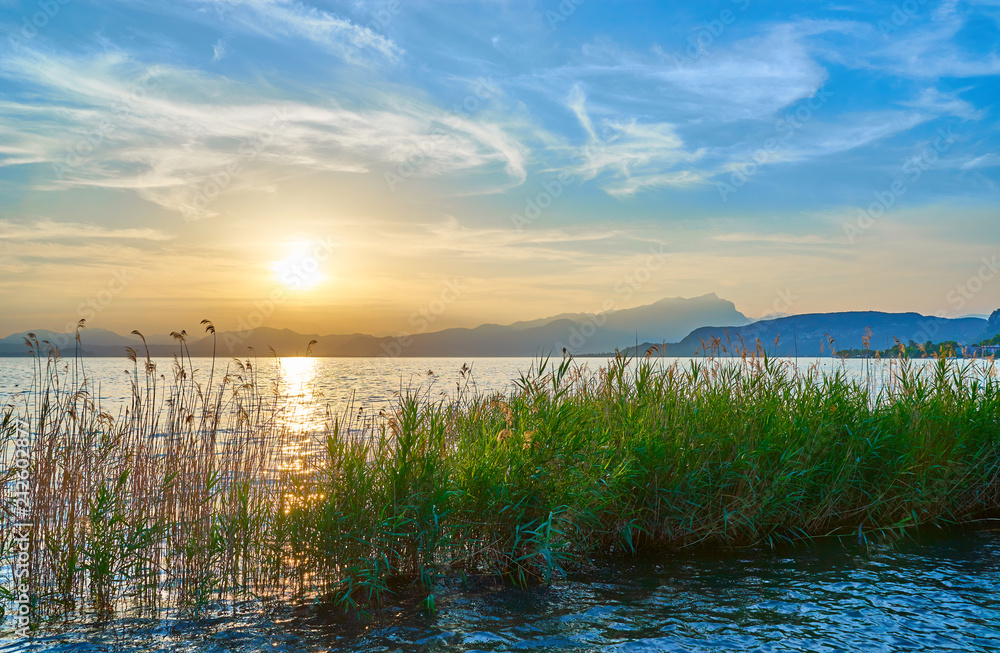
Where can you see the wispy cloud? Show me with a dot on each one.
(941, 103)
(288, 19)
(577, 104)
(988, 160)
(449, 237)
(175, 143)
(843, 133)
(219, 50)
(932, 51)
(777, 239)
(750, 78)
(631, 157)
(49, 230)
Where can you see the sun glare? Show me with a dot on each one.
(303, 267)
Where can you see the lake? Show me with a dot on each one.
(927, 591)
(371, 384)
(934, 594)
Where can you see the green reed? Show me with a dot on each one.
(185, 498)
(642, 456)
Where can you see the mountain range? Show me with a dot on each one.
(680, 326)
(819, 334)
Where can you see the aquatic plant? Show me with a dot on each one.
(149, 506)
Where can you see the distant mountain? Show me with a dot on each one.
(99, 336)
(93, 340)
(665, 320)
(686, 326)
(809, 335)
(992, 326)
(670, 319)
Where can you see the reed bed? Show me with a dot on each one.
(187, 499)
(175, 501)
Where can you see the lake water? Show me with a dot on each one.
(311, 384)
(935, 593)
(371, 383)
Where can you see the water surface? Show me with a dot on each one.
(372, 383)
(935, 594)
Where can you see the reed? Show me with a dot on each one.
(187, 499)
(166, 503)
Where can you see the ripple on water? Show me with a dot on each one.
(934, 595)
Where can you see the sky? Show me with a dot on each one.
(339, 167)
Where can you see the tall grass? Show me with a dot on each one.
(169, 502)
(186, 497)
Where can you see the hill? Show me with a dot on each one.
(810, 334)
(667, 319)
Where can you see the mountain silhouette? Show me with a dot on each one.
(678, 326)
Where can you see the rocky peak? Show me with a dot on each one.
(993, 326)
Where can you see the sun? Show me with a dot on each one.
(303, 267)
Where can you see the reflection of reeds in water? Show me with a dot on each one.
(185, 498)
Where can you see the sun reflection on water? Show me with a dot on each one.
(301, 415)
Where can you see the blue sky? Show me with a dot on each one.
(842, 154)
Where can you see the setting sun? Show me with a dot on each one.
(304, 265)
